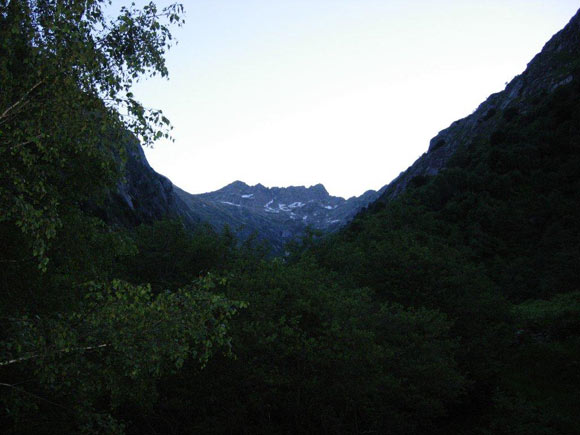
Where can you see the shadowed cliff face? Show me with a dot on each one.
(553, 67)
(143, 196)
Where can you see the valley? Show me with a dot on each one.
(445, 302)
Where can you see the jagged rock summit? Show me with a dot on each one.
(276, 214)
(312, 204)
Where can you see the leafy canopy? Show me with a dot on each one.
(66, 72)
(75, 343)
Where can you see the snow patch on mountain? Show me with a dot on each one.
(269, 209)
(230, 203)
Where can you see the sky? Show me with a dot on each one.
(346, 93)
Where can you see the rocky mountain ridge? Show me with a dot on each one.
(312, 205)
(277, 214)
(553, 67)
(282, 214)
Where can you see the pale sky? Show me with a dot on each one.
(347, 93)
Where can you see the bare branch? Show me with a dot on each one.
(21, 101)
(21, 144)
(28, 393)
(36, 355)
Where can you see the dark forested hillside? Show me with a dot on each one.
(492, 241)
(451, 305)
(553, 67)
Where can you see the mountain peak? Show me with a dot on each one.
(276, 214)
(236, 185)
(319, 188)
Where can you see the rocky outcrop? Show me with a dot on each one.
(143, 195)
(557, 64)
(275, 215)
(278, 214)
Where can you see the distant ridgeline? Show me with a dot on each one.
(279, 215)
(275, 215)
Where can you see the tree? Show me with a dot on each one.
(113, 348)
(66, 73)
(75, 343)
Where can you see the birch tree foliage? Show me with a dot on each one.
(78, 344)
(113, 349)
(66, 72)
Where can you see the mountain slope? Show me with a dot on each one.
(277, 215)
(142, 195)
(503, 183)
(484, 228)
(552, 68)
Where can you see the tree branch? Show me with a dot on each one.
(36, 355)
(21, 101)
(28, 393)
